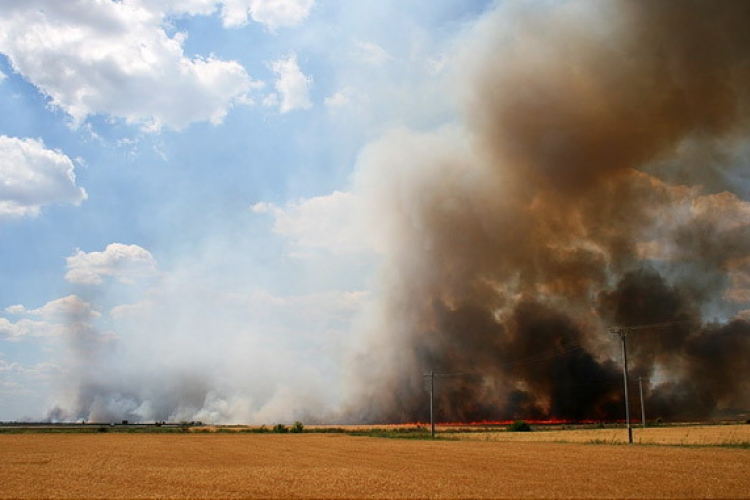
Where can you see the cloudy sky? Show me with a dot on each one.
(177, 200)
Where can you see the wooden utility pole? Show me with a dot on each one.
(643, 408)
(623, 333)
(432, 376)
(432, 404)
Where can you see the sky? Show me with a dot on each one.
(176, 203)
(262, 211)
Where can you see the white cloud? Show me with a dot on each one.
(135, 310)
(32, 176)
(70, 308)
(125, 263)
(178, 7)
(29, 328)
(237, 13)
(335, 223)
(370, 53)
(272, 13)
(115, 58)
(65, 315)
(292, 86)
(17, 309)
(340, 99)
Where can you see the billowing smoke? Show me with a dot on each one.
(597, 179)
(600, 180)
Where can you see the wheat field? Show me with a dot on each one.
(216, 465)
(691, 435)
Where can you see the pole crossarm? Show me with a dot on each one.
(624, 330)
(432, 376)
(623, 333)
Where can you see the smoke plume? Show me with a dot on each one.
(600, 180)
(597, 178)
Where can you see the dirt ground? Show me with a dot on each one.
(341, 466)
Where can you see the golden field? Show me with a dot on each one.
(236, 465)
(702, 435)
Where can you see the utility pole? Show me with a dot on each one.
(432, 376)
(432, 404)
(643, 408)
(623, 333)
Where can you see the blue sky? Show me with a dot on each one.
(159, 156)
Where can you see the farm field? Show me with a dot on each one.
(698, 435)
(236, 465)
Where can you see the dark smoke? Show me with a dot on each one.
(603, 184)
(714, 361)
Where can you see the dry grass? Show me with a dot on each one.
(341, 466)
(690, 435)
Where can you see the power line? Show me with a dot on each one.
(623, 332)
(544, 355)
(561, 351)
(535, 358)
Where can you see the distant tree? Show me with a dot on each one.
(280, 428)
(519, 426)
(297, 427)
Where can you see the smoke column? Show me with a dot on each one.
(600, 179)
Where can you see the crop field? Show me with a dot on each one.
(692, 435)
(310, 465)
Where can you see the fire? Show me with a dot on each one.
(503, 423)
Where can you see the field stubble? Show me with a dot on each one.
(217, 465)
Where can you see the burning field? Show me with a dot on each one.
(597, 178)
(340, 466)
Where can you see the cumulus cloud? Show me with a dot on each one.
(339, 99)
(272, 13)
(333, 223)
(125, 263)
(237, 13)
(29, 328)
(32, 176)
(292, 86)
(69, 315)
(115, 58)
(70, 308)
